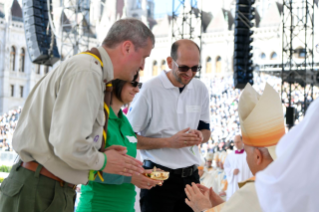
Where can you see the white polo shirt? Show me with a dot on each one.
(160, 111)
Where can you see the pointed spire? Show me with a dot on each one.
(16, 11)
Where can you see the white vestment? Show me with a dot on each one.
(232, 162)
(244, 200)
(290, 183)
(219, 176)
(208, 178)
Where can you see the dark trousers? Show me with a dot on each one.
(28, 191)
(170, 197)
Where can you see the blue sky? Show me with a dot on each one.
(162, 7)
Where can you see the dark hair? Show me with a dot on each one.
(175, 46)
(118, 86)
(230, 145)
(128, 29)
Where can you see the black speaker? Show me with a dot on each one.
(243, 64)
(290, 116)
(41, 44)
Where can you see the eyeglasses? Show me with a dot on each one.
(136, 84)
(186, 68)
(317, 48)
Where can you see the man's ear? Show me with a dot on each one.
(258, 156)
(169, 62)
(127, 46)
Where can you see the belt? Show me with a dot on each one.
(32, 166)
(183, 172)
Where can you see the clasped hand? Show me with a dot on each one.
(236, 171)
(185, 138)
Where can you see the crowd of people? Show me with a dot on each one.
(223, 110)
(8, 123)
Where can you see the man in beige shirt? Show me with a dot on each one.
(59, 132)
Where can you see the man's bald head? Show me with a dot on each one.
(238, 142)
(185, 44)
(258, 158)
(184, 62)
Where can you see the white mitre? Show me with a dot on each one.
(261, 118)
(210, 156)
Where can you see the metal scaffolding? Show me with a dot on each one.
(75, 27)
(298, 49)
(187, 21)
(72, 26)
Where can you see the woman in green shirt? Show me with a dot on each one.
(116, 193)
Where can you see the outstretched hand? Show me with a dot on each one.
(213, 197)
(144, 182)
(118, 162)
(197, 200)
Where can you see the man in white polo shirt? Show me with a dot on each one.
(171, 114)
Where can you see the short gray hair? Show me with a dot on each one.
(128, 29)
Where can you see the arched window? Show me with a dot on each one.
(218, 64)
(12, 90)
(163, 65)
(262, 56)
(22, 60)
(273, 56)
(208, 65)
(21, 91)
(300, 52)
(154, 69)
(12, 58)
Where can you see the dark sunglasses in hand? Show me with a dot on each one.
(136, 84)
(186, 68)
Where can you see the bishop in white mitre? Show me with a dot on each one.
(262, 126)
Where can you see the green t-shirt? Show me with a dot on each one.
(97, 196)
